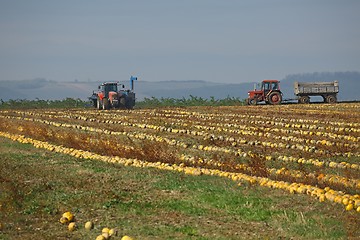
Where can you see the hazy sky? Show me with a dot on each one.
(213, 40)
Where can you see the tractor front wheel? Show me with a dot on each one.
(252, 101)
(275, 98)
(98, 104)
(106, 104)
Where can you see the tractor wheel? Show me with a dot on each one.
(331, 99)
(99, 104)
(122, 102)
(252, 101)
(275, 98)
(131, 104)
(304, 99)
(94, 103)
(106, 104)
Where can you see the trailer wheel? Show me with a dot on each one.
(331, 99)
(106, 104)
(304, 99)
(275, 98)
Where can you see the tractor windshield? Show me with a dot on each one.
(266, 86)
(274, 86)
(111, 88)
(270, 86)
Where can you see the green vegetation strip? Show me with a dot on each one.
(152, 102)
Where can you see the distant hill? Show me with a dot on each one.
(46, 89)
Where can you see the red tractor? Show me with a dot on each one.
(269, 92)
(111, 95)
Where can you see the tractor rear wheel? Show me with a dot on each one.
(94, 103)
(122, 102)
(275, 98)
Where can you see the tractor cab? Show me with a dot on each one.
(270, 85)
(269, 92)
(108, 87)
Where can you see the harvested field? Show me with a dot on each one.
(175, 173)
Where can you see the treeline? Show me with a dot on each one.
(349, 76)
(146, 103)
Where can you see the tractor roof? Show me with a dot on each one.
(110, 83)
(272, 80)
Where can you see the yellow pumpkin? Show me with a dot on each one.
(69, 216)
(72, 226)
(126, 238)
(89, 225)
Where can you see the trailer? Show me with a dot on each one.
(270, 92)
(327, 90)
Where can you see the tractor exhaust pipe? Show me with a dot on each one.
(132, 79)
